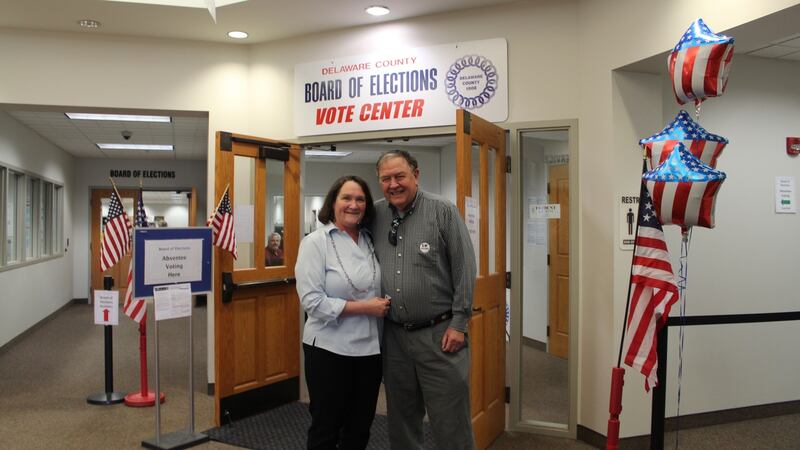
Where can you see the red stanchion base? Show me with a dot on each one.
(137, 400)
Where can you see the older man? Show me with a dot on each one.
(274, 253)
(428, 267)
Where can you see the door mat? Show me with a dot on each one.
(286, 428)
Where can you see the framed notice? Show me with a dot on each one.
(167, 256)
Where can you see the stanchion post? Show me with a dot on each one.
(109, 397)
(659, 393)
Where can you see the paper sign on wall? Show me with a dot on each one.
(547, 211)
(784, 195)
(106, 307)
(173, 301)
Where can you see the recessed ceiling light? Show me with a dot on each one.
(89, 23)
(327, 154)
(377, 10)
(160, 147)
(237, 34)
(120, 117)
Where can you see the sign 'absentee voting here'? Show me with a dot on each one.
(168, 256)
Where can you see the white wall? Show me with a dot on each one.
(94, 173)
(31, 293)
(612, 36)
(748, 262)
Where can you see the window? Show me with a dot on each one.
(31, 222)
(11, 215)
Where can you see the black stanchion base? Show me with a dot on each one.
(106, 398)
(176, 440)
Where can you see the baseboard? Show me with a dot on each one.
(210, 389)
(39, 324)
(533, 343)
(724, 416)
(80, 301)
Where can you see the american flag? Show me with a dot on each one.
(653, 292)
(700, 63)
(221, 221)
(135, 308)
(684, 189)
(117, 235)
(704, 145)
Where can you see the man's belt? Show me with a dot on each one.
(413, 326)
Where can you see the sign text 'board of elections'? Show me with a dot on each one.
(408, 88)
(106, 307)
(171, 256)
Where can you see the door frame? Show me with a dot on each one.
(94, 225)
(517, 240)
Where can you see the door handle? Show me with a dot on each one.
(477, 309)
(227, 287)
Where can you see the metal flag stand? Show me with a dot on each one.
(182, 438)
(109, 397)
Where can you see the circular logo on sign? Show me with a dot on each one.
(471, 82)
(424, 247)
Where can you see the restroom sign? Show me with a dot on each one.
(628, 210)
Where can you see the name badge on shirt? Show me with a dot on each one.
(424, 247)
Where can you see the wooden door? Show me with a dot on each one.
(477, 138)
(257, 328)
(558, 270)
(119, 272)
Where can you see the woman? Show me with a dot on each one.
(338, 282)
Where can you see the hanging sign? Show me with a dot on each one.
(418, 87)
(106, 307)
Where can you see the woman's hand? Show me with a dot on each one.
(376, 306)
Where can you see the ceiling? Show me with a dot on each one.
(187, 132)
(264, 20)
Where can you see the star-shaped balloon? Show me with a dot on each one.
(703, 145)
(684, 190)
(700, 63)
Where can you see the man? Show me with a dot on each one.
(428, 270)
(274, 254)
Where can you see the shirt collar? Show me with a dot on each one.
(410, 209)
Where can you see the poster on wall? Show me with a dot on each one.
(404, 88)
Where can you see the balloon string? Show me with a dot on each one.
(697, 110)
(683, 274)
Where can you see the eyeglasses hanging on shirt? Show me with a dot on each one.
(396, 221)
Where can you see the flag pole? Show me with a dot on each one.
(221, 197)
(633, 257)
(145, 397)
(618, 373)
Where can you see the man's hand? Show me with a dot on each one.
(452, 341)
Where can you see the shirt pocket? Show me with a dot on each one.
(427, 254)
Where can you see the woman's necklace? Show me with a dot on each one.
(350, 281)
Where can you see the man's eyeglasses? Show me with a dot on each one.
(393, 230)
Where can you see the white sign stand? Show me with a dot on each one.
(175, 298)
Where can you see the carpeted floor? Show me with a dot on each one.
(285, 427)
(46, 376)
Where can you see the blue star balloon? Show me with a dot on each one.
(704, 145)
(684, 190)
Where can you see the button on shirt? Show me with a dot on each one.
(323, 290)
(432, 269)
